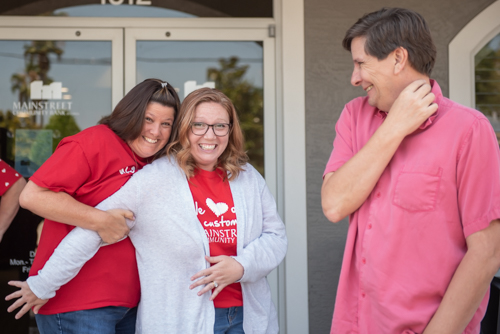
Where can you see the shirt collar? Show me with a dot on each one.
(436, 90)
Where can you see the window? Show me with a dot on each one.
(487, 82)
(475, 65)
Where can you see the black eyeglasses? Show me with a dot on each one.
(219, 129)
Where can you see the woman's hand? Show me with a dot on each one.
(225, 271)
(115, 227)
(25, 296)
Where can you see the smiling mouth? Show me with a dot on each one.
(149, 140)
(206, 147)
(369, 88)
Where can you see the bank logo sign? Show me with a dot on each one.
(45, 100)
(39, 91)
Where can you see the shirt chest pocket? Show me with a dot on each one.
(417, 188)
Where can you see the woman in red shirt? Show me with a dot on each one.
(11, 185)
(84, 170)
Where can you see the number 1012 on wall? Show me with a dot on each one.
(130, 2)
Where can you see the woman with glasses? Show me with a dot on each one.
(206, 231)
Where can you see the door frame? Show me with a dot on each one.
(463, 49)
(65, 28)
(132, 35)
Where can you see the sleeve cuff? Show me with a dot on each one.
(36, 285)
(240, 261)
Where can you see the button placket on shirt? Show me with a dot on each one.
(367, 235)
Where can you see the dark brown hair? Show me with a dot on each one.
(233, 157)
(390, 28)
(127, 118)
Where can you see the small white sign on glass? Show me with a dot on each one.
(191, 86)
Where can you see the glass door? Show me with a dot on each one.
(54, 82)
(239, 62)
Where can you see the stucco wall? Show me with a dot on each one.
(328, 71)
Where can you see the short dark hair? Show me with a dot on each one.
(127, 118)
(390, 28)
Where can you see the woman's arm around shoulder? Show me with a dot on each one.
(79, 246)
(50, 191)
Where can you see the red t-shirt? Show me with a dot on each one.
(90, 166)
(214, 206)
(8, 176)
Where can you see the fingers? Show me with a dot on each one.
(201, 273)
(18, 303)
(119, 214)
(26, 299)
(18, 284)
(23, 311)
(206, 288)
(115, 226)
(216, 292)
(419, 87)
(206, 272)
(126, 213)
(37, 308)
(26, 307)
(129, 215)
(416, 85)
(223, 271)
(215, 259)
(211, 287)
(424, 91)
(412, 107)
(202, 281)
(13, 295)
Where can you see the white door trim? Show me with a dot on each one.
(132, 35)
(292, 101)
(463, 49)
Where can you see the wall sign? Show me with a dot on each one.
(191, 86)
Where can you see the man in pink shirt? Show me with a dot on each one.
(419, 177)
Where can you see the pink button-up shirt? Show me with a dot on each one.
(407, 239)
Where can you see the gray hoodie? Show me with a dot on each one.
(171, 245)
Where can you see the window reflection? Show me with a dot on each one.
(487, 82)
(235, 68)
(50, 90)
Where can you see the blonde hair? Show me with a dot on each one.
(233, 157)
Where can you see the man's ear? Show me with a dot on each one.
(400, 59)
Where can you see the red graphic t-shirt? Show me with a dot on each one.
(8, 176)
(214, 206)
(90, 166)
